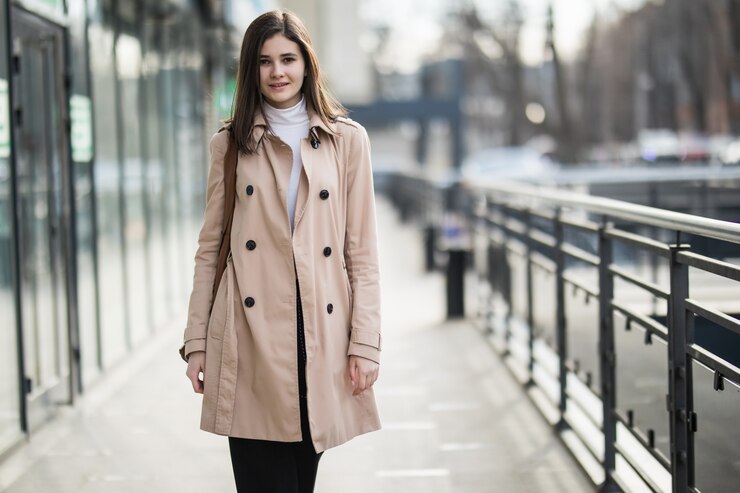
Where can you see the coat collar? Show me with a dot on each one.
(314, 122)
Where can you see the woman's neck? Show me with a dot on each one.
(295, 115)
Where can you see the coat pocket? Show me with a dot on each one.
(347, 286)
(222, 309)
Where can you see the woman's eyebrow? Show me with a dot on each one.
(281, 55)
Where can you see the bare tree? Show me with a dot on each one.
(567, 135)
(505, 74)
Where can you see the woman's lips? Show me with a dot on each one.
(279, 85)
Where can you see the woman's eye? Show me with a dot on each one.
(288, 60)
(264, 61)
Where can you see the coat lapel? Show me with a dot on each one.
(311, 152)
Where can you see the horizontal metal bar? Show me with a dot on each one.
(582, 224)
(573, 401)
(656, 453)
(515, 226)
(713, 315)
(638, 469)
(516, 248)
(568, 279)
(542, 214)
(714, 363)
(544, 263)
(651, 216)
(718, 267)
(580, 254)
(639, 241)
(542, 238)
(647, 323)
(510, 209)
(632, 279)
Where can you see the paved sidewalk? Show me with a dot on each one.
(454, 419)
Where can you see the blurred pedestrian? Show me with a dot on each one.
(288, 342)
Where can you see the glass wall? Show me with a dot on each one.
(138, 146)
(108, 184)
(128, 55)
(84, 205)
(160, 272)
(189, 145)
(147, 74)
(10, 429)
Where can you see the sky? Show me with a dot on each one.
(416, 24)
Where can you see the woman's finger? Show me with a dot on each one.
(196, 364)
(197, 382)
(362, 384)
(351, 370)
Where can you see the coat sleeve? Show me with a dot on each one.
(361, 250)
(206, 256)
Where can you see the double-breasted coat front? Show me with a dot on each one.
(248, 331)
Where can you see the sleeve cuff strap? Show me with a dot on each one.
(363, 351)
(366, 337)
(196, 332)
(192, 346)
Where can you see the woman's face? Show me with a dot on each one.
(282, 70)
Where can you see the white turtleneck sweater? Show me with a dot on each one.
(291, 126)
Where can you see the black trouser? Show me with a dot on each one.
(264, 466)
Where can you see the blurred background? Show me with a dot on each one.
(583, 82)
(106, 108)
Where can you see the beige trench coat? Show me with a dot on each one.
(251, 374)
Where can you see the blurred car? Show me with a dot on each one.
(730, 155)
(694, 147)
(516, 163)
(666, 146)
(658, 145)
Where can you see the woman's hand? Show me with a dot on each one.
(362, 373)
(196, 365)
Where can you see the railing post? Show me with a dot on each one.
(483, 267)
(491, 274)
(560, 323)
(456, 264)
(430, 246)
(680, 405)
(505, 278)
(530, 295)
(404, 199)
(607, 359)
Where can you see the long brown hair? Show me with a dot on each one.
(248, 98)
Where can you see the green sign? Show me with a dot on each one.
(4, 120)
(81, 133)
(51, 6)
(222, 99)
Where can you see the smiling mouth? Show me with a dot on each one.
(279, 84)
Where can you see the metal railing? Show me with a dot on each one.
(598, 247)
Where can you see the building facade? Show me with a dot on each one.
(106, 107)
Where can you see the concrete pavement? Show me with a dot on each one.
(454, 419)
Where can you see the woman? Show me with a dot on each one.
(289, 346)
